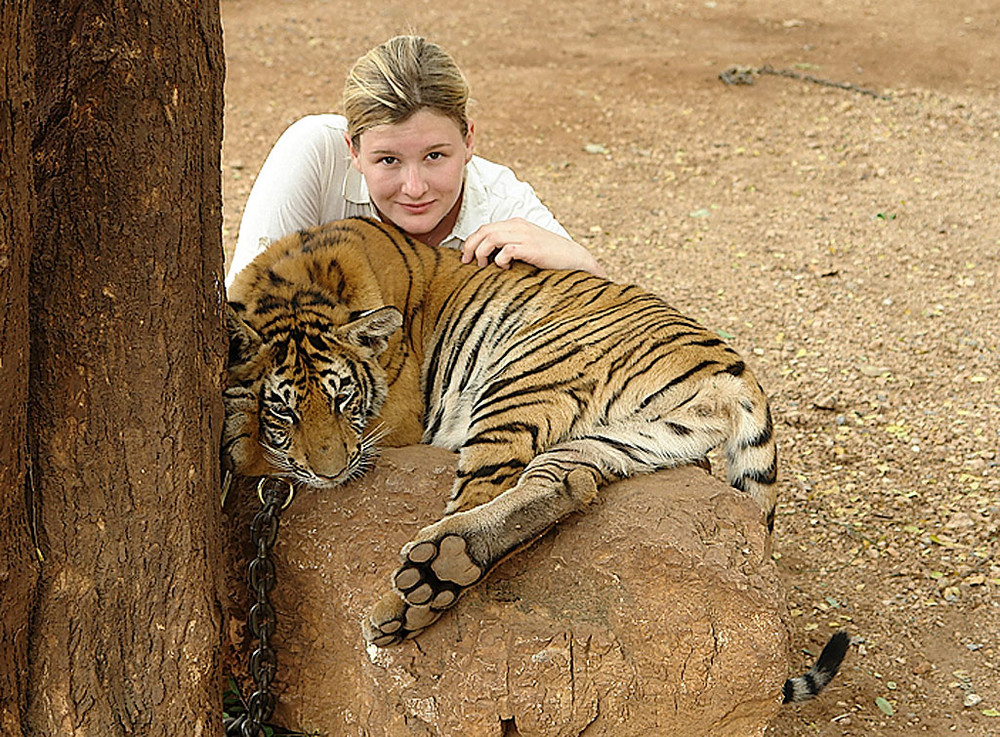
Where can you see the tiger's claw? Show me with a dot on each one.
(392, 620)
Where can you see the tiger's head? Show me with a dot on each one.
(302, 390)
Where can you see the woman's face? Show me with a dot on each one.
(414, 169)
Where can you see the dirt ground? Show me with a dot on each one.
(846, 244)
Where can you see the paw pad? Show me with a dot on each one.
(454, 564)
(433, 573)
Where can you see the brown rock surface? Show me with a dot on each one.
(655, 612)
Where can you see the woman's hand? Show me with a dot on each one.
(518, 240)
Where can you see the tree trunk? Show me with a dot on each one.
(127, 358)
(18, 569)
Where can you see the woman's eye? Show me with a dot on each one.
(435, 155)
(388, 160)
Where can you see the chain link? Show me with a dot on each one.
(275, 495)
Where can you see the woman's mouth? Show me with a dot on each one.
(418, 208)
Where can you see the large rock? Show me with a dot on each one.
(655, 612)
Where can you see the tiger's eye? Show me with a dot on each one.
(343, 397)
(282, 412)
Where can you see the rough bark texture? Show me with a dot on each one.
(18, 569)
(657, 611)
(126, 368)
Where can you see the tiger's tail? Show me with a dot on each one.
(810, 683)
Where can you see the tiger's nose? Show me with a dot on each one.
(329, 459)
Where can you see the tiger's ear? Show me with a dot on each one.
(371, 329)
(244, 341)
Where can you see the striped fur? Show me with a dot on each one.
(549, 384)
(556, 368)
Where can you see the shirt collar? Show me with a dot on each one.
(474, 210)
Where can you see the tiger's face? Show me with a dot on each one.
(301, 398)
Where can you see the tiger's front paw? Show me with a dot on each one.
(434, 573)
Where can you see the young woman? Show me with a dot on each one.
(403, 152)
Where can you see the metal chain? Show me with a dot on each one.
(275, 495)
(746, 75)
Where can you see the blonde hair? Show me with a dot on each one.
(400, 77)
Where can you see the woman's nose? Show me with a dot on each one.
(414, 184)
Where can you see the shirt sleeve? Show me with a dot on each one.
(300, 185)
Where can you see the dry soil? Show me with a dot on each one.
(845, 242)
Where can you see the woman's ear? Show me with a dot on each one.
(355, 154)
(470, 141)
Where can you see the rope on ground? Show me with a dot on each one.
(746, 75)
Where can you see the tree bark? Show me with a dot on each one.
(127, 358)
(18, 568)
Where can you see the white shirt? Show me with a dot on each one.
(308, 179)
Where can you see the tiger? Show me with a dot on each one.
(549, 384)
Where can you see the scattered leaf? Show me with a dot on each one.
(883, 704)
(942, 541)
